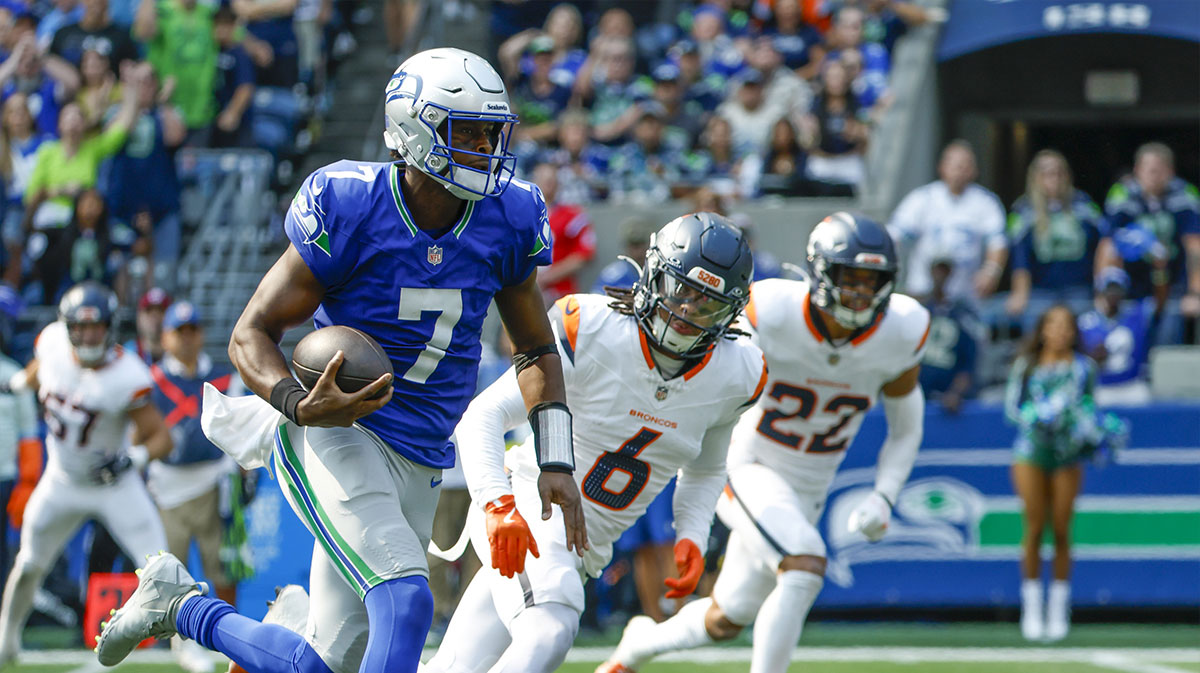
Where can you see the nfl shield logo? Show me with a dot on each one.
(661, 393)
(434, 255)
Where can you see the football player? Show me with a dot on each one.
(411, 252)
(656, 383)
(833, 347)
(92, 391)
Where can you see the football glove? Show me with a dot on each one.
(871, 517)
(690, 564)
(108, 472)
(509, 536)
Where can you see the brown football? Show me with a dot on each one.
(365, 360)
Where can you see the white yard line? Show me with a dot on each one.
(1128, 664)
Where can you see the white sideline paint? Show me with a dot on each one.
(1130, 660)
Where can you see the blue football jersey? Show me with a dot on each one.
(423, 298)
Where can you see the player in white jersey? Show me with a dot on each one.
(91, 391)
(833, 346)
(655, 385)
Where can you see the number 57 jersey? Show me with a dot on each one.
(633, 430)
(817, 393)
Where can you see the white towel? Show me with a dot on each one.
(243, 427)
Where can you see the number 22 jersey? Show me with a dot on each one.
(817, 394)
(423, 297)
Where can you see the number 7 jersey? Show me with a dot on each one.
(817, 394)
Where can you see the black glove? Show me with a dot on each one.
(108, 472)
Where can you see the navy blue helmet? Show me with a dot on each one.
(89, 302)
(845, 241)
(695, 282)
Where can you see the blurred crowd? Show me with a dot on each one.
(96, 97)
(643, 102)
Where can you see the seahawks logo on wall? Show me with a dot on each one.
(310, 217)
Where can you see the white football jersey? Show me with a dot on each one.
(817, 394)
(86, 408)
(633, 431)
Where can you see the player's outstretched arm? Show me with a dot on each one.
(539, 374)
(904, 407)
(288, 295)
(696, 492)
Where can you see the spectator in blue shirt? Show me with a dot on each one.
(705, 88)
(1117, 334)
(142, 178)
(1155, 207)
(48, 84)
(948, 368)
(537, 99)
(234, 85)
(271, 22)
(792, 37)
(582, 164)
(646, 169)
(1054, 229)
(64, 13)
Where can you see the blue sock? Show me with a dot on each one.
(256, 647)
(399, 612)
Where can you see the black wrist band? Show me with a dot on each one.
(885, 499)
(526, 359)
(286, 396)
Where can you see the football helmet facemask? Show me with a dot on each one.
(839, 244)
(89, 303)
(426, 96)
(695, 282)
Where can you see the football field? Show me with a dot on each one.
(838, 648)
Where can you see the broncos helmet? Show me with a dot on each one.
(87, 303)
(695, 282)
(850, 241)
(426, 95)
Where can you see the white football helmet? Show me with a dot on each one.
(426, 95)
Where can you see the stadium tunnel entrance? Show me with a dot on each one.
(1095, 97)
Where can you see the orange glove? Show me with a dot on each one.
(509, 536)
(690, 563)
(29, 469)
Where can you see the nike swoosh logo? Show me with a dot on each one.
(434, 482)
(317, 189)
(508, 518)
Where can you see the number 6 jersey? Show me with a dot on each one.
(817, 394)
(632, 430)
(86, 408)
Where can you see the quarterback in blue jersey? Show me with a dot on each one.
(412, 253)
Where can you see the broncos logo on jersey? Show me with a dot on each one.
(310, 216)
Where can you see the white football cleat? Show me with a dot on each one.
(289, 610)
(163, 585)
(617, 662)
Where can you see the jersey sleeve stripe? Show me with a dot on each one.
(921, 344)
(566, 318)
(696, 370)
(762, 383)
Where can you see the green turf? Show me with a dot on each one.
(1187, 666)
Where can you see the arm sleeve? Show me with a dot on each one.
(699, 485)
(1022, 242)
(109, 142)
(480, 437)
(906, 426)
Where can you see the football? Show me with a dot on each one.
(365, 360)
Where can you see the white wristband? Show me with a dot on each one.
(139, 455)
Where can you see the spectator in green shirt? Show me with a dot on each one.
(184, 54)
(68, 166)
